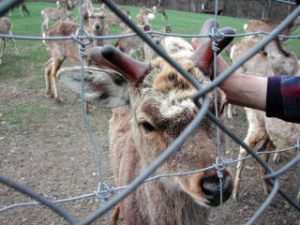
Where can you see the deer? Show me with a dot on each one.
(54, 15)
(113, 20)
(151, 105)
(60, 50)
(23, 8)
(134, 46)
(145, 17)
(66, 5)
(6, 28)
(160, 9)
(265, 134)
(86, 7)
(267, 25)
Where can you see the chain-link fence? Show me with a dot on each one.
(104, 191)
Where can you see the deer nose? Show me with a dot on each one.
(97, 27)
(212, 186)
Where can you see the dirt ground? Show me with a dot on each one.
(46, 147)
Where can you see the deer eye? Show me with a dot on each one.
(147, 126)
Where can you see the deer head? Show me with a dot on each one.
(161, 107)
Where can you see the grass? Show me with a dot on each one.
(33, 54)
(23, 117)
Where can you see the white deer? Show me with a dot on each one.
(152, 106)
(6, 28)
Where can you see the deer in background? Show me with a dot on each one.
(145, 17)
(134, 46)
(67, 5)
(261, 25)
(265, 133)
(85, 9)
(152, 105)
(113, 20)
(6, 28)
(60, 50)
(53, 15)
(22, 7)
(160, 9)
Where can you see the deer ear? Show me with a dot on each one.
(100, 86)
(112, 58)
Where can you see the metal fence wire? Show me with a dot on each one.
(104, 191)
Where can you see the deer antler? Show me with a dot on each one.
(111, 58)
(203, 55)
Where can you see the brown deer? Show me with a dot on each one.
(113, 20)
(53, 15)
(6, 28)
(85, 8)
(67, 5)
(265, 133)
(152, 106)
(22, 7)
(60, 50)
(267, 25)
(145, 17)
(160, 9)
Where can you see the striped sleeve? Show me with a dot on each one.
(283, 98)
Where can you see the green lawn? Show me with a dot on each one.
(33, 54)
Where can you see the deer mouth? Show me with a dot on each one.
(207, 189)
(213, 188)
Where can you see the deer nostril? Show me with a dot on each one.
(211, 187)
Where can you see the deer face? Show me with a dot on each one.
(97, 21)
(161, 108)
(281, 61)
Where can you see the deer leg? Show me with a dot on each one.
(264, 157)
(229, 111)
(56, 64)
(3, 47)
(48, 66)
(1, 50)
(116, 214)
(277, 158)
(14, 44)
(239, 168)
(268, 146)
(251, 140)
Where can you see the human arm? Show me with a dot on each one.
(244, 90)
(279, 96)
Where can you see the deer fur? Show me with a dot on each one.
(160, 9)
(60, 50)
(53, 15)
(151, 107)
(265, 133)
(267, 25)
(6, 28)
(113, 20)
(66, 5)
(145, 17)
(85, 8)
(22, 7)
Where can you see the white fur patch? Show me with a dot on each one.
(245, 26)
(151, 16)
(232, 51)
(170, 110)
